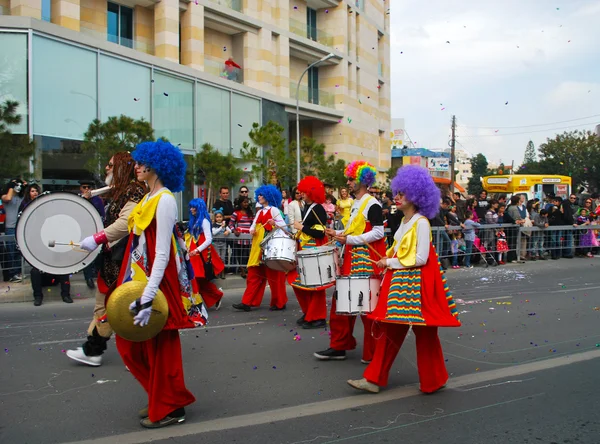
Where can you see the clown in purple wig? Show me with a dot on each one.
(418, 188)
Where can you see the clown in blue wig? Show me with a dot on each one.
(271, 194)
(165, 159)
(198, 213)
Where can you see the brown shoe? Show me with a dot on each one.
(143, 413)
(166, 421)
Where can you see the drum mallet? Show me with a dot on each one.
(53, 243)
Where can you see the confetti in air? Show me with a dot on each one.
(165, 94)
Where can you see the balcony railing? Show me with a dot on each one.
(218, 68)
(310, 32)
(312, 95)
(121, 41)
(236, 5)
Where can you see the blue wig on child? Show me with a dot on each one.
(165, 159)
(270, 193)
(195, 223)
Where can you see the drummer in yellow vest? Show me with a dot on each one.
(363, 238)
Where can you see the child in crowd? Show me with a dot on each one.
(219, 227)
(540, 220)
(458, 247)
(329, 209)
(585, 238)
(469, 234)
(501, 245)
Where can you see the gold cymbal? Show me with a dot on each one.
(121, 319)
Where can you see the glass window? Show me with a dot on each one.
(212, 124)
(124, 88)
(244, 112)
(47, 10)
(119, 24)
(63, 163)
(313, 85)
(13, 75)
(173, 110)
(64, 89)
(311, 23)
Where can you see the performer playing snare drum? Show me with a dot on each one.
(310, 233)
(266, 219)
(414, 291)
(363, 238)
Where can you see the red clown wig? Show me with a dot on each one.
(313, 188)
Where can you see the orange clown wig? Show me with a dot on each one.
(313, 188)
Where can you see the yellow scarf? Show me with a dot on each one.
(407, 251)
(358, 224)
(143, 213)
(304, 238)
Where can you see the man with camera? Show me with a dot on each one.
(12, 196)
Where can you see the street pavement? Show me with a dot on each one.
(523, 369)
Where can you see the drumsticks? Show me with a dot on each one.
(364, 257)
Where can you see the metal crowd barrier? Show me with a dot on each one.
(11, 261)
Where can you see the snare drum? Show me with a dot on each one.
(316, 266)
(356, 295)
(279, 251)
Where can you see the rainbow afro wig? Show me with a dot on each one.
(313, 188)
(418, 187)
(270, 193)
(165, 159)
(361, 171)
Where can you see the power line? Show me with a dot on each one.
(529, 132)
(531, 126)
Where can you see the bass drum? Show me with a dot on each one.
(47, 226)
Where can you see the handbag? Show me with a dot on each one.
(527, 224)
(209, 272)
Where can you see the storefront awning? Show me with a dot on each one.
(444, 181)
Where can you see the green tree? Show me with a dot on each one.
(316, 162)
(103, 139)
(214, 169)
(268, 154)
(530, 153)
(479, 168)
(15, 149)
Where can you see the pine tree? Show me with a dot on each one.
(530, 153)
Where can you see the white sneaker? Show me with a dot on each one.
(17, 278)
(218, 304)
(363, 384)
(79, 356)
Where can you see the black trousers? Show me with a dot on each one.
(39, 279)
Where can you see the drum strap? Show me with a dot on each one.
(139, 306)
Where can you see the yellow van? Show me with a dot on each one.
(532, 185)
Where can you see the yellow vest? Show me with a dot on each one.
(359, 223)
(407, 251)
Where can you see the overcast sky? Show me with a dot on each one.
(540, 56)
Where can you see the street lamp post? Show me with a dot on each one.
(327, 57)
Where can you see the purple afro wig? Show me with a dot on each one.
(418, 187)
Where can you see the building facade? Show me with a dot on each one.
(68, 62)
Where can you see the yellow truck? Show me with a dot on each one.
(532, 185)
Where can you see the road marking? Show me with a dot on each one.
(37, 324)
(64, 341)
(335, 405)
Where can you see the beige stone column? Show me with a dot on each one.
(4, 7)
(93, 18)
(26, 8)
(166, 30)
(192, 37)
(66, 13)
(282, 66)
(143, 29)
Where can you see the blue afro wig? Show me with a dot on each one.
(418, 187)
(195, 223)
(270, 193)
(165, 159)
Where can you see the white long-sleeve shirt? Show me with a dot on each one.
(166, 216)
(423, 241)
(206, 229)
(376, 232)
(275, 215)
(294, 214)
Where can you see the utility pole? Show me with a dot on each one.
(453, 154)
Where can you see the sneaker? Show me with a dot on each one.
(275, 308)
(67, 299)
(363, 384)
(330, 355)
(16, 278)
(364, 361)
(300, 320)
(79, 356)
(166, 421)
(241, 306)
(319, 323)
(468, 266)
(143, 413)
(37, 302)
(90, 284)
(456, 267)
(218, 304)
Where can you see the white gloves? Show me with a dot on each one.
(143, 316)
(88, 244)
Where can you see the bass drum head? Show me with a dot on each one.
(57, 217)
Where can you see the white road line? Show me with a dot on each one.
(191, 330)
(485, 299)
(40, 323)
(334, 405)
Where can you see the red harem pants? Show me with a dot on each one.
(341, 328)
(256, 281)
(157, 365)
(430, 358)
(210, 292)
(312, 303)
